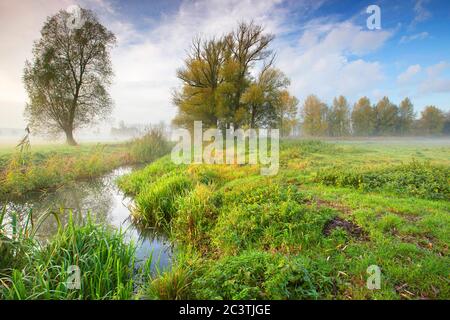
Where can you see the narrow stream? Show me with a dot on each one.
(104, 200)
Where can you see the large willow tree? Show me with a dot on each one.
(220, 85)
(68, 78)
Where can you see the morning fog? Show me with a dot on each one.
(240, 146)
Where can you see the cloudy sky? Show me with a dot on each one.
(324, 46)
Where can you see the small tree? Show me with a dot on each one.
(386, 115)
(406, 116)
(339, 118)
(363, 118)
(220, 85)
(432, 120)
(247, 45)
(68, 78)
(286, 110)
(314, 113)
(201, 76)
(446, 129)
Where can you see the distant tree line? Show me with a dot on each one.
(366, 119)
(232, 81)
(124, 130)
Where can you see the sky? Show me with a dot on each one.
(323, 46)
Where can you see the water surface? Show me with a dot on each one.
(101, 198)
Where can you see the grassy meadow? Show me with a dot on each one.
(47, 166)
(310, 232)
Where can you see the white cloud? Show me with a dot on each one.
(421, 13)
(146, 69)
(436, 82)
(409, 74)
(327, 59)
(319, 64)
(422, 83)
(437, 69)
(417, 36)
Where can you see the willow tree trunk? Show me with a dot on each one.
(69, 137)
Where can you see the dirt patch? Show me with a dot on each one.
(424, 241)
(406, 215)
(406, 293)
(330, 204)
(349, 227)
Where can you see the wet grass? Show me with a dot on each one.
(37, 172)
(305, 234)
(105, 262)
(47, 167)
(420, 179)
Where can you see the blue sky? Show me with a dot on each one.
(324, 46)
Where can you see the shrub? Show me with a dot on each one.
(152, 145)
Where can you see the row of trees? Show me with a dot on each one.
(221, 87)
(226, 81)
(364, 119)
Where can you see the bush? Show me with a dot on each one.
(152, 145)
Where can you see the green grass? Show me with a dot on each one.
(159, 199)
(37, 171)
(256, 275)
(49, 166)
(246, 236)
(105, 262)
(133, 183)
(173, 284)
(309, 232)
(414, 178)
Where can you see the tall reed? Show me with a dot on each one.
(105, 261)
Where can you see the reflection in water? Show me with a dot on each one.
(107, 203)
